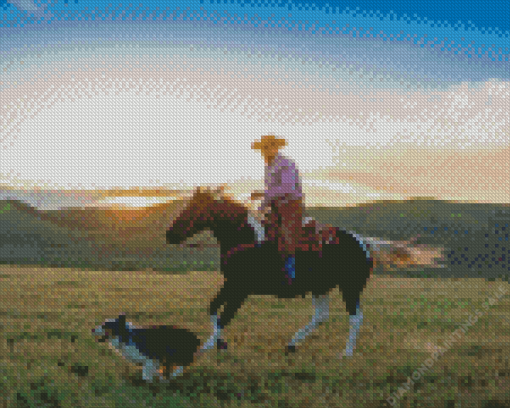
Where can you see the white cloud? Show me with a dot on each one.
(28, 5)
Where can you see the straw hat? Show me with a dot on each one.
(268, 141)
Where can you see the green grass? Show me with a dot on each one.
(49, 357)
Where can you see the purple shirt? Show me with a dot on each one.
(281, 179)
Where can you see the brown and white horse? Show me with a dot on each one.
(254, 268)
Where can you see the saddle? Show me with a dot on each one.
(313, 234)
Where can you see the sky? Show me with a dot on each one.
(408, 100)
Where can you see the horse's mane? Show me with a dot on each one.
(219, 195)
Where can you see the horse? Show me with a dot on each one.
(252, 265)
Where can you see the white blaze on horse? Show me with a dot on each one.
(252, 265)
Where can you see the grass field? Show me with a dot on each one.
(49, 358)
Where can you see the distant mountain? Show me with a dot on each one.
(475, 236)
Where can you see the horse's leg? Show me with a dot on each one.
(233, 303)
(321, 306)
(209, 344)
(217, 302)
(213, 311)
(355, 321)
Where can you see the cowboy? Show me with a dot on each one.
(283, 196)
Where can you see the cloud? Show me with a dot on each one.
(29, 6)
(24, 5)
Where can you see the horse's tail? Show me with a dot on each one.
(401, 254)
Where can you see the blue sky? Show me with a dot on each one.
(494, 13)
(171, 93)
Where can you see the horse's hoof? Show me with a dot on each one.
(290, 350)
(221, 344)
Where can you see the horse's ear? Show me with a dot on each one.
(215, 194)
(218, 190)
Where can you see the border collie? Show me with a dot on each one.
(154, 347)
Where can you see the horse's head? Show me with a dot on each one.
(206, 209)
